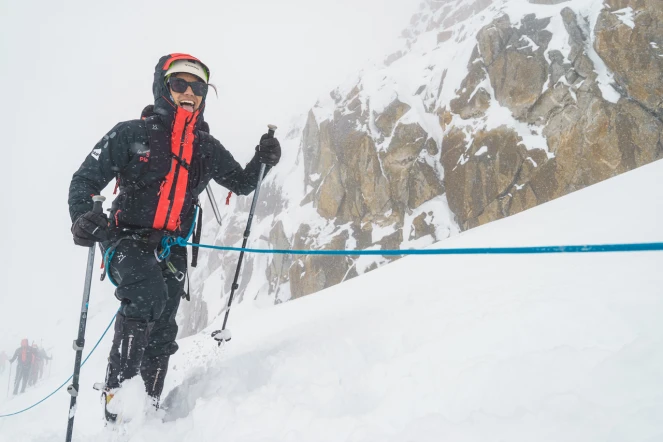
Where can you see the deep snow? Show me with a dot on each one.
(429, 348)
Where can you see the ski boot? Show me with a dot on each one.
(107, 395)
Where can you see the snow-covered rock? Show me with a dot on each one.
(490, 107)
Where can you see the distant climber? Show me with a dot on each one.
(23, 356)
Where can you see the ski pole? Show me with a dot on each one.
(224, 334)
(80, 340)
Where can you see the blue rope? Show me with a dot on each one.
(65, 382)
(108, 256)
(589, 248)
(168, 241)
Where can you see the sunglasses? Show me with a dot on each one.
(180, 86)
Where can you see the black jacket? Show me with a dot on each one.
(23, 355)
(163, 163)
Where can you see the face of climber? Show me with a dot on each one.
(187, 90)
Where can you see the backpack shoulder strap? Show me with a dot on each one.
(156, 134)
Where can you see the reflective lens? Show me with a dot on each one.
(180, 86)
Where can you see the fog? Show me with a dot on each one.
(71, 70)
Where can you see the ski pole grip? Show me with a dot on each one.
(98, 203)
(271, 129)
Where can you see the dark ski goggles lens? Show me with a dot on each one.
(180, 86)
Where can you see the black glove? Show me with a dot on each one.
(268, 151)
(90, 228)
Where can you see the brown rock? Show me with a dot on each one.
(473, 181)
(331, 194)
(431, 147)
(445, 117)
(472, 101)
(311, 274)
(557, 67)
(635, 56)
(278, 269)
(317, 149)
(423, 184)
(493, 39)
(393, 57)
(444, 36)
(544, 183)
(517, 71)
(406, 145)
(421, 228)
(552, 102)
(387, 120)
(391, 242)
(522, 198)
(496, 209)
(373, 187)
(608, 139)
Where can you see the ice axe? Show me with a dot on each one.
(80, 340)
(224, 334)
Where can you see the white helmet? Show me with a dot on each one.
(190, 67)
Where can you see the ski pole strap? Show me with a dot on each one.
(589, 248)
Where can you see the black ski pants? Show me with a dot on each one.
(145, 326)
(22, 375)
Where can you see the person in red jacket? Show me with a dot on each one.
(23, 356)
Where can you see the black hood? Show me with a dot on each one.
(163, 102)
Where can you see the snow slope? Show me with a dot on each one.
(462, 348)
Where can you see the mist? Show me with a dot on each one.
(72, 70)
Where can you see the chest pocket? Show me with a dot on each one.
(150, 162)
(139, 164)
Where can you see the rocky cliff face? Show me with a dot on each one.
(598, 107)
(490, 108)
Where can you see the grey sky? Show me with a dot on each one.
(72, 69)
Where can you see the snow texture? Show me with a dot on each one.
(626, 16)
(463, 348)
(469, 348)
